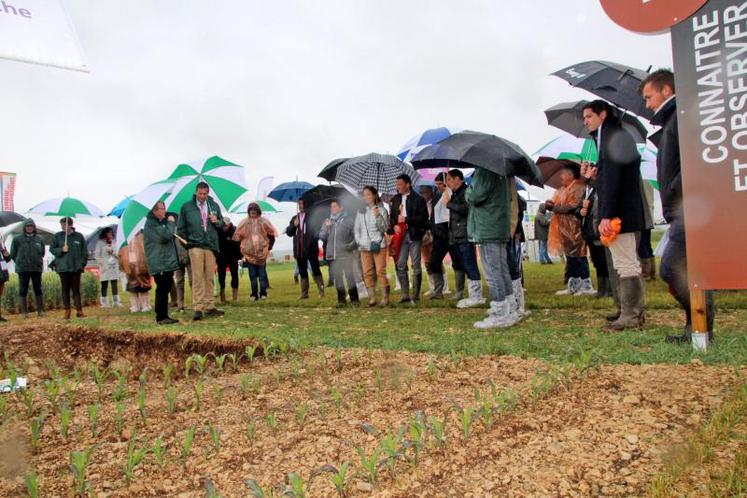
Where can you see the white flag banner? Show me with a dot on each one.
(40, 32)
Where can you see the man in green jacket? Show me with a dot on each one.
(71, 255)
(27, 252)
(161, 257)
(199, 222)
(489, 226)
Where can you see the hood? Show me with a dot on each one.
(663, 114)
(29, 223)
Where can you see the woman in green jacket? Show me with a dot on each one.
(27, 252)
(71, 256)
(161, 257)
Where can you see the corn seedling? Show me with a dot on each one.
(506, 401)
(338, 360)
(186, 447)
(214, 433)
(220, 361)
(486, 413)
(390, 444)
(295, 370)
(52, 390)
(210, 489)
(416, 434)
(251, 430)
(168, 371)
(217, 392)
(171, 400)
(370, 463)
(338, 478)
(199, 389)
(135, 457)
(141, 405)
(272, 421)
(31, 480)
(36, 425)
(188, 366)
(143, 378)
(159, 451)
(323, 409)
(337, 398)
(79, 461)
(200, 362)
(466, 417)
(234, 361)
(119, 417)
(277, 374)
(301, 410)
(27, 398)
(360, 392)
(430, 370)
(296, 486)
(244, 384)
(93, 418)
(257, 491)
(66, 417)
(3, 407)
(438, 430)
(249, 353)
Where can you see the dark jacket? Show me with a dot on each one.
(27, 251)
(230, 251)
(458, 212)
(668, 173)
(417, 215)
(76, 257)
(190, 227)
(160, 248)
(305, 238)
(542, 223)
(590, 222)
(339, 236)
(618, 180)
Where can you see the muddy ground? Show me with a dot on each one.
(577, 432)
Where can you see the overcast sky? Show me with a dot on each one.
(284, 87)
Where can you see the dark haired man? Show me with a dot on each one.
(658, 92)
(199, 223)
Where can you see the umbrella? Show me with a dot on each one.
(119, 208)
(133, 217)
(66, 206)
(265, 206)
(610, 81)
(423, 140)
(226, 181)
(568, 116)
(471, 149)
(289, 191)
(92, 239)
(551, 169)
(8, 217)
(377, 170)
(330, 170)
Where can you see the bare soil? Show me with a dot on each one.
(603, 432)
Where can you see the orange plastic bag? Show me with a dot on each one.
(616, 225)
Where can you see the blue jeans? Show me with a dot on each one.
(468, 256)
(578, 267)
(258, 273)
(497, 273)
(544, 256)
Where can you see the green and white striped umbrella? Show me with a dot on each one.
(133, 217)
(570, 148)
(66, 206)
(226, 180)
(265, 206)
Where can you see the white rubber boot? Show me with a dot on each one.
(475, 295)
(519, 297)
(116, 301)
(134, 302)
(104, 302)
(585, 288)
(498, 318)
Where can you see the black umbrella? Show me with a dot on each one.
(569, 117)
(610, 81)
(317, 200)
(472, 149)
(9, 217)
(330, 170)
(551, 168)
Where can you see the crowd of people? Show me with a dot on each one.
(600, 212)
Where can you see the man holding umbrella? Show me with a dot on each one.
(618, 182)
(658, 92)
(409, 220)
(199, 223)
(71, 255)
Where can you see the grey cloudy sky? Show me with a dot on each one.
(283, 87)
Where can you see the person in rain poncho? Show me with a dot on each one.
(565, 237)
(133, 264)
(71, 255)
(338, 232)
(256, 237)
(108, 262)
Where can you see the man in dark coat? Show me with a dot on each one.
(658, 91)
(71, 255)
(228, 259)
(459, 243)
(305, 250)
(541, 229)
(618, 183)
(409, 208)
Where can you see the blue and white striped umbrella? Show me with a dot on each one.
(377, 170)
(423, 140)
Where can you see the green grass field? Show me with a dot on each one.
(558, 327)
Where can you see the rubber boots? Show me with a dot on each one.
(305, 288)
(438, 285)
(459, 278)
(371, 296)
(632, 300)
(319, 285)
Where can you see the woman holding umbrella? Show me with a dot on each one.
(71, 255)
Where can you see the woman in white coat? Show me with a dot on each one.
(108, 263)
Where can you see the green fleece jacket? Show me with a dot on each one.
(190, 225)
(160, 251)
(489, 218)
(75, 259)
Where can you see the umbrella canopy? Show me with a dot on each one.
(289, 191)
(569, 147)
(610, 81)
(8, 217)
(471, 149)
(377, 170)
(422, 140)
(265, 206)
(330, 170)
(568, 116)
(9, 231)
(93, 238)
(66, 206)
(551, 169)
(119, 208)
(133, 217)
(226, 180)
